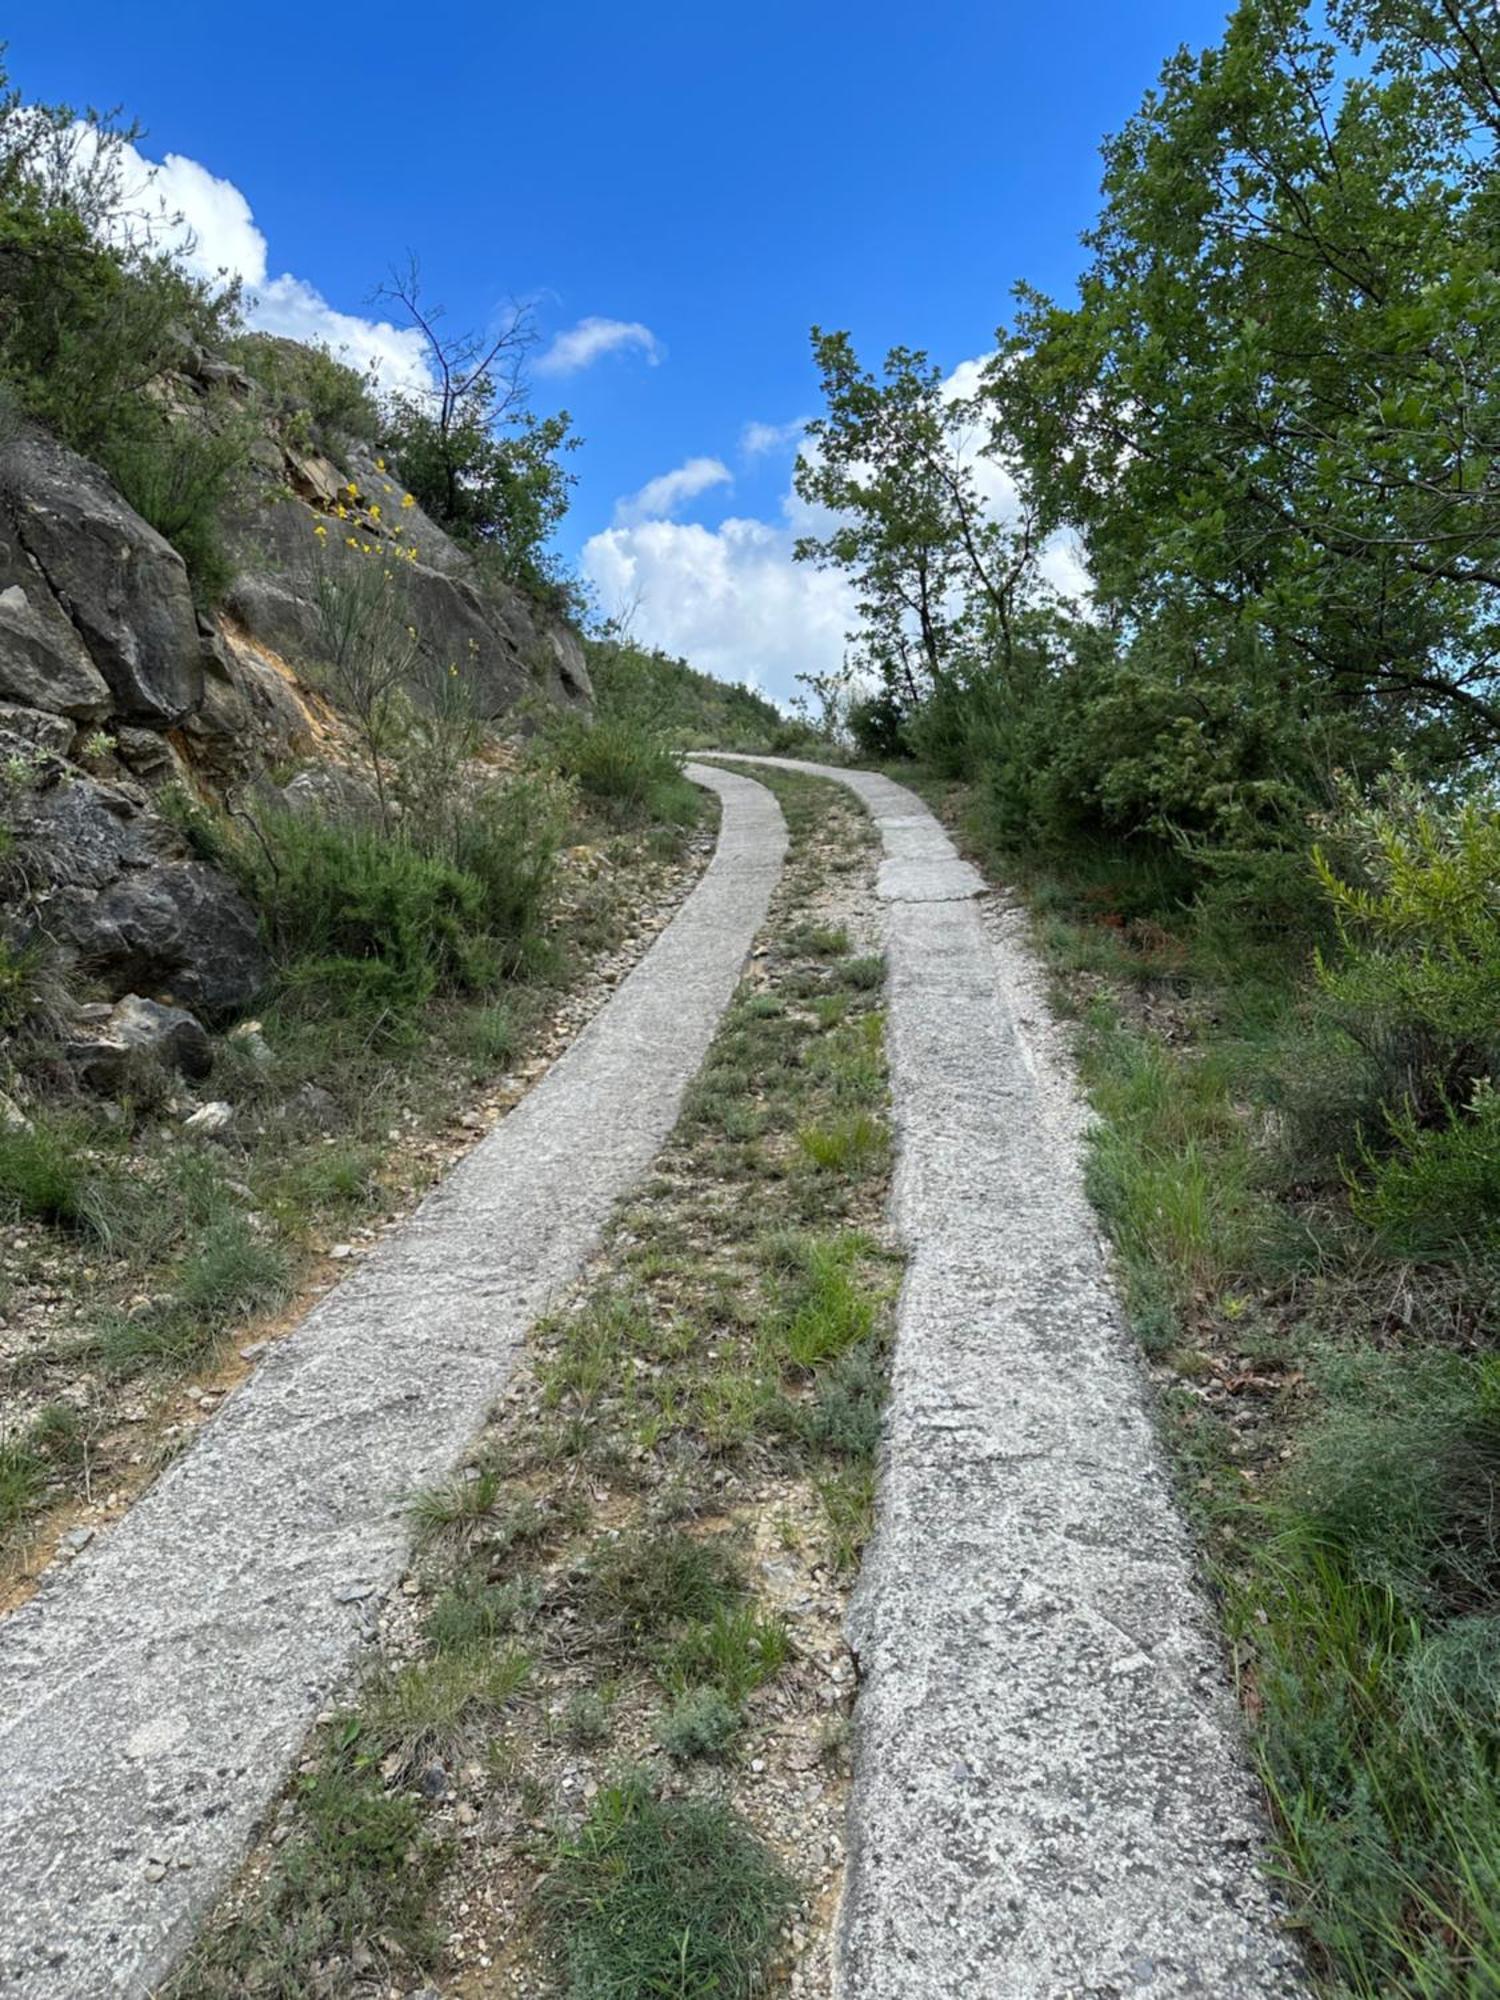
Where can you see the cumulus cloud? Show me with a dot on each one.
(209, 225)
(670, 490)
(730, 599)
(582, 345)
(757, 439)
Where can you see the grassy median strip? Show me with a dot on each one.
(601, 1751)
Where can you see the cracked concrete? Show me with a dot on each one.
(1051, 1797)
(156, 1692)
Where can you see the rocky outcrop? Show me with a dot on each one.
(505, 647)
(78, 560)
(102, 1050)
(120, 893)
(113, 685)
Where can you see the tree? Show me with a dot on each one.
(471, 450)
(1272, 412)
(892, 463)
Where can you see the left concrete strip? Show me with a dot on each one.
(153, 1697)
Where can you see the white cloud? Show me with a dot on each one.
(757, 439)
(582, 345)
(733, 600)
(671, 490)
(730, 600)
(209, 223)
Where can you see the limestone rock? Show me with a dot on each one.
(171, 1034)
(120, 891)
(43, 662)
(121, 584)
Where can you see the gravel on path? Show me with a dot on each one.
(154, 1694)
(1052, 1799)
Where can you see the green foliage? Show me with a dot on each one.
(642, 1585)
(1438, 1192)
(663, 1897)
(481, 463)
(178, 474)
(684, 707)
(619, 763)
(46, 1174)
(363, 923)
(90, 312)
(1418, 911)
(360, 1870)
(91, 315)
(318, 399)
(736, 1651)
(1258, 414)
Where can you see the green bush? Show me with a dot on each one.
(1414, 885)
(44, 1175)
(507, 840)
(703, 1723)
(621, 764)
(362, 923)
(312, 391)
(1438, 1192)
(178, 474)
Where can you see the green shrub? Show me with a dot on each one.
(642, 1585)
(45, 1175)
(320, 399)
(663, 1897)
(361, 923)
(179, 474)
(621, 764)
(1415, 888)
(507, 839)
(1438, 1193)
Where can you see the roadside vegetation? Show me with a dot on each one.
(427, 943)
(1250, 794)
(601, 1749)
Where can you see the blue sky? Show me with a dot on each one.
(708, 180)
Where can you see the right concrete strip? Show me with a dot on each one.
(1051, 1794)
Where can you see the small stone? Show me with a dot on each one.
(79, 1538)
(342, 1250)
(209, 1120)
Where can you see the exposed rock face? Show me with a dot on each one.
(136, 1026)
(503, 645)
(99, 635)
(120, 892)
(43, 662)
(116, 582)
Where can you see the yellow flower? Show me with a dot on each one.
(352, 490)
(321, 532)
(342, 511)
(380, 465)
(350, 543)
(374, 510)
(408, 500)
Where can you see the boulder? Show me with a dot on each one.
(43, 662)
(134, 1025)
(122, 586)
(121, 892)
